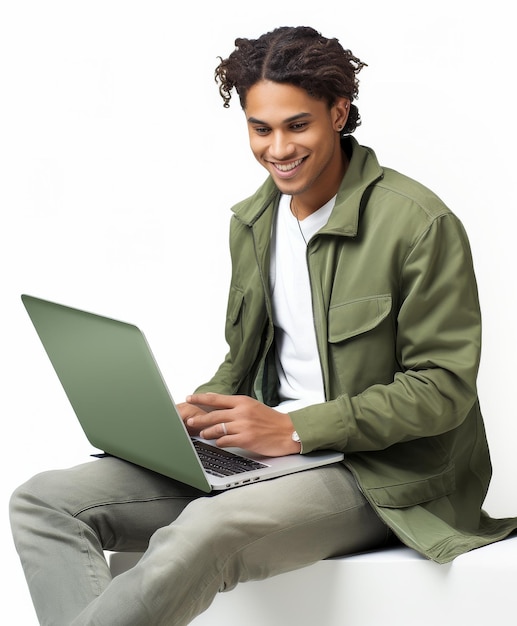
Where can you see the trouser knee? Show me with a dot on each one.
(27, 499)
(47, 488)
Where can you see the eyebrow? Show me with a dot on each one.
(293, 118)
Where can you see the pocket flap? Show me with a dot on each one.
(358, 316)
(235, 303)
(415, 492)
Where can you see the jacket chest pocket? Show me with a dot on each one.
(356, 317)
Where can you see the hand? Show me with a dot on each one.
(240, 421)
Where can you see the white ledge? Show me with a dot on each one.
(390, 587)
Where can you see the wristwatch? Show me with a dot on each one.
(295, 437)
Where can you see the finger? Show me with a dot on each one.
(189, 410)
(203, 420)
(212, 400)
(217, 431)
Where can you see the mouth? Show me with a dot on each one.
(285, 170)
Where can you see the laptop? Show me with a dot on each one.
(122, 402)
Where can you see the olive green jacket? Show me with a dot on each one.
(398, 329)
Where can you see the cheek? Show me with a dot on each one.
(257, 147)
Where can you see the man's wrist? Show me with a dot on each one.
(296, 438)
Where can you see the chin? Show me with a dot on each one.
(287, 187)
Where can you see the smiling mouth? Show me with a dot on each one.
(287, 167)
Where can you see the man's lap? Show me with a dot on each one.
(125, 504)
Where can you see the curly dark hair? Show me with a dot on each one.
(299, 56)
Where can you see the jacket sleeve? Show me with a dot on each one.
(438, 339)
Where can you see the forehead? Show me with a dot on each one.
(272, 102)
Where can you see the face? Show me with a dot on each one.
(296, 138)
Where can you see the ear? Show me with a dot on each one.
(339, 113)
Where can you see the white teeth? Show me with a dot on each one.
(289, 166)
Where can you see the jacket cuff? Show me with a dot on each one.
(320, 426)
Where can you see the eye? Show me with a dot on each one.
(261, 130)
(298, 126)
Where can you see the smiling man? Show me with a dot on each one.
(353, 324)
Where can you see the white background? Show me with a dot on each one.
(118, 166)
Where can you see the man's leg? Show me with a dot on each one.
(62, 520)
(247, 533)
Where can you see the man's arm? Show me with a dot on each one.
(437, 344)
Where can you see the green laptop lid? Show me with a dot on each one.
(116, 389)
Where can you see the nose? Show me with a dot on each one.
(281, 146)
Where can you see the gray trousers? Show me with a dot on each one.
(195, 544)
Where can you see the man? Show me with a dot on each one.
(353, 324)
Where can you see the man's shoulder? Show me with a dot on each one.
(387, 188)
(399, 188)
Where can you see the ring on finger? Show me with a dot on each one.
(225, 432)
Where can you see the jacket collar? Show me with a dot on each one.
(363, 170)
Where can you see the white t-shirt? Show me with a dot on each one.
(298, 364)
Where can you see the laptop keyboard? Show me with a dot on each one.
(220, 462)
